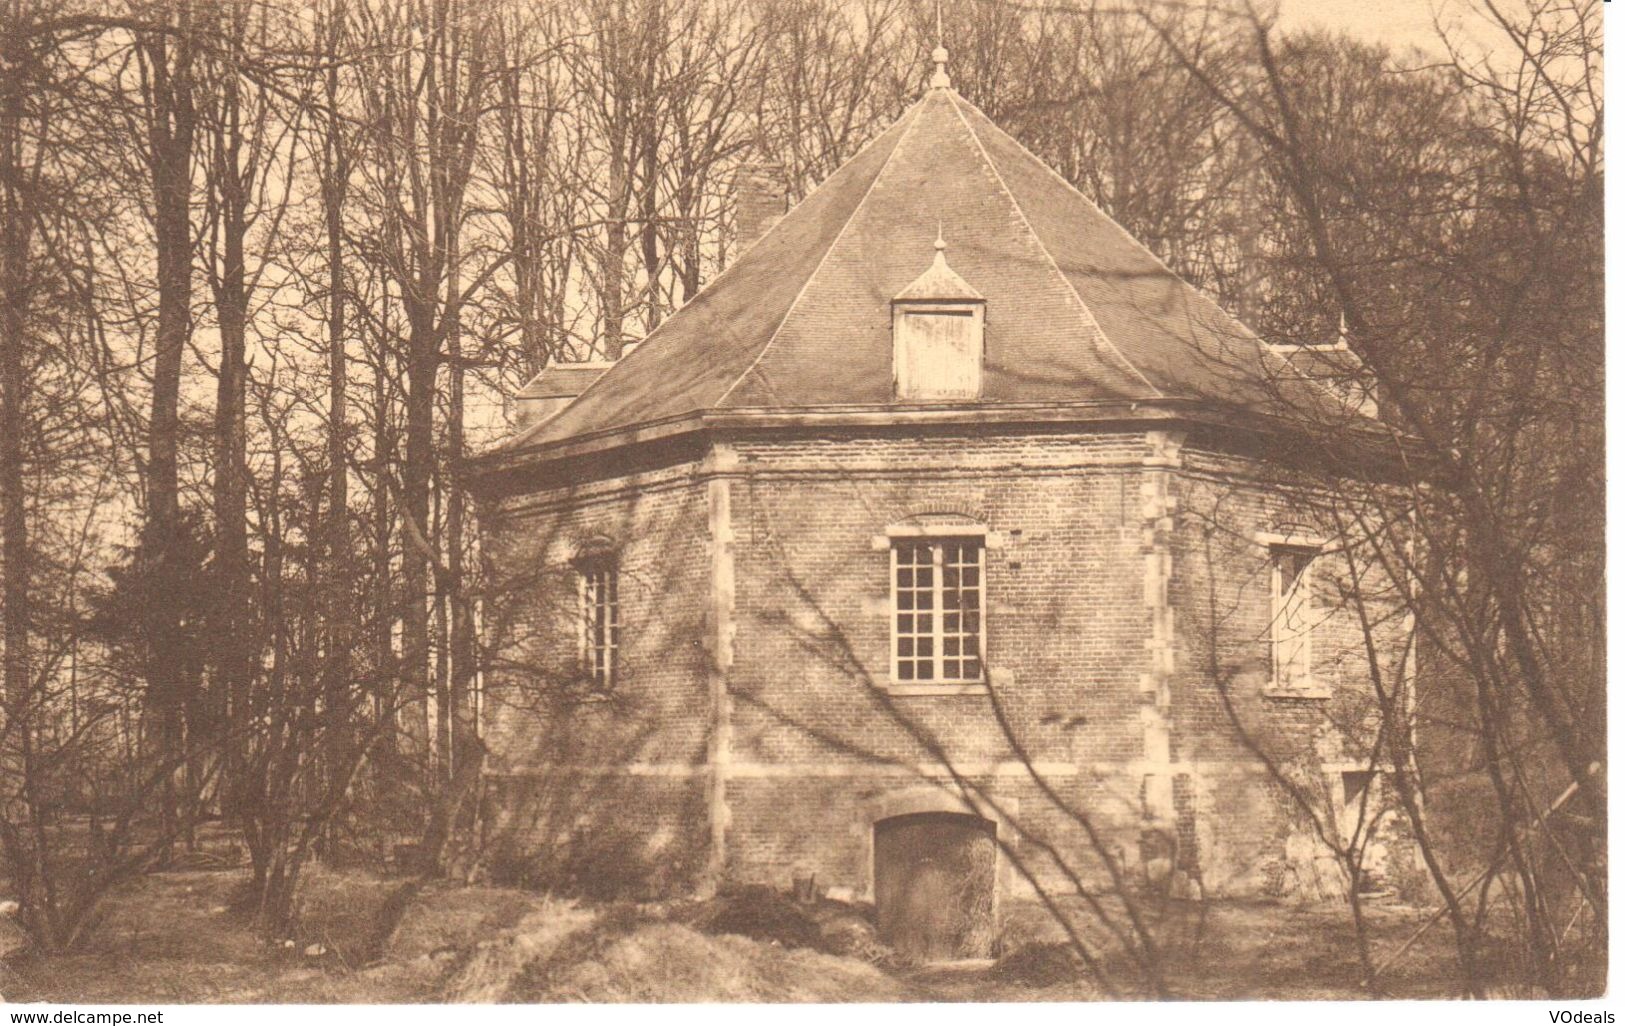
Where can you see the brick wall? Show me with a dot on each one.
(1250, 833)
(1081, 555)
(551, 809)
(812, 670)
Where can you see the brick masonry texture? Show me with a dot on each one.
(817, 742)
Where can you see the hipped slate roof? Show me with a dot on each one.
(1077, 310)
(559, 380)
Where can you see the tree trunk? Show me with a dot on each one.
(336, 667)
(16, 593)
(229, 609)
(383, 598)
(171, 128)
(14, 547)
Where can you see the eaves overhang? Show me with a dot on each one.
(510, 471)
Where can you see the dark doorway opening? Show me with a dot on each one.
(934, 884)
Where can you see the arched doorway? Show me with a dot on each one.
(934, 884)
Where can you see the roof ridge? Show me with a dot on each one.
(912, 117)
(1088, 314)
(1109, 219)
(1135, 241)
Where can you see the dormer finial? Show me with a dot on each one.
(939, 283)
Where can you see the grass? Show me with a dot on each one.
(178, 937)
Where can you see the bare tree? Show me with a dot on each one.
(1468, 282)
(425, 102)
(169, 96)
(812, 114)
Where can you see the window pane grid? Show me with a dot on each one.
(601, 623)
(914, 581)
(937, 588)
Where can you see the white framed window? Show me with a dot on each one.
(937, 610)
(1292, 616)
(598, 586)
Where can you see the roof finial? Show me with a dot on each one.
(940, 246)
(940, 80)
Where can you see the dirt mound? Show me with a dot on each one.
(492, 945)
(847, 931)
(173, 938)
(347, 913)
(495, 969)
(440, 916)
(763, 914)
(669, 962)
(1039, 965)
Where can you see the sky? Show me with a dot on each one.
(1399, 23)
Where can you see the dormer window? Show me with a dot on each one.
(937, 329)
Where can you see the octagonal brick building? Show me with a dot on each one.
(947, 545)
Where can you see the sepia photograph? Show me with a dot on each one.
(801, 501)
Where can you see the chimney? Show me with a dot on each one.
(760, 199)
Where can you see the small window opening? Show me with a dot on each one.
(1292, 616)
(939, 354)
(1359, 814)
